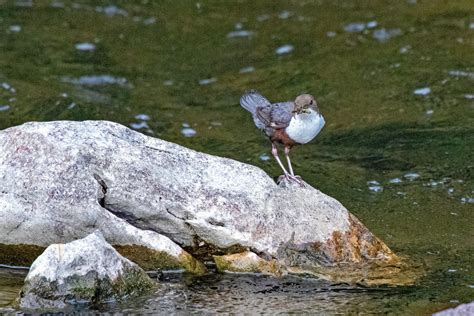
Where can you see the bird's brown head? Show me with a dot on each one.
(304, 102)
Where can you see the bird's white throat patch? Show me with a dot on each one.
(305, 126)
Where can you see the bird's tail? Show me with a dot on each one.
(251, 100)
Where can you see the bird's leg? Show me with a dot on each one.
(287, 154)
(290, 177)
(275, 154)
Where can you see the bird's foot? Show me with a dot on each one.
(291, 178)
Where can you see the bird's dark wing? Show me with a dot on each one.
(277, 115)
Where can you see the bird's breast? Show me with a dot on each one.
(304, 127)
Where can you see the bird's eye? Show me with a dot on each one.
(311, 102)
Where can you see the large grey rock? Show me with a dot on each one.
(62, 180)
(84, 270)
(461, 310)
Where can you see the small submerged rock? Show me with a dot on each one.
(285, 49)
(87, 270)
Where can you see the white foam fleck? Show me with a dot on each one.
(331, 34)
(188, 132)
(263, 17)
(4, 108)
(395, 180)
(168, 82)
(371, 24)
(429, 112)
(422, 91)
(142, 117)
(405, 49)
(149, 21)
(373, 182)
(354, 27)
(86, 47)
(285, 49)
(468, 200)
(264, 157)
(204, 82)
(240, 33)
(247, 70)
(97, 80)
(383, 35)
(461, 73)
(139, 125)
(376, 188)
(469, 96)
(411, 176)
(15, 28)
(285, 15)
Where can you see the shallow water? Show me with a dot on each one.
(393, 80)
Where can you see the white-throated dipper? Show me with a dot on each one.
(287, 123)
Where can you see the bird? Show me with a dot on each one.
(287, 123)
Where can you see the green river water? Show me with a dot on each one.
(394, 80)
